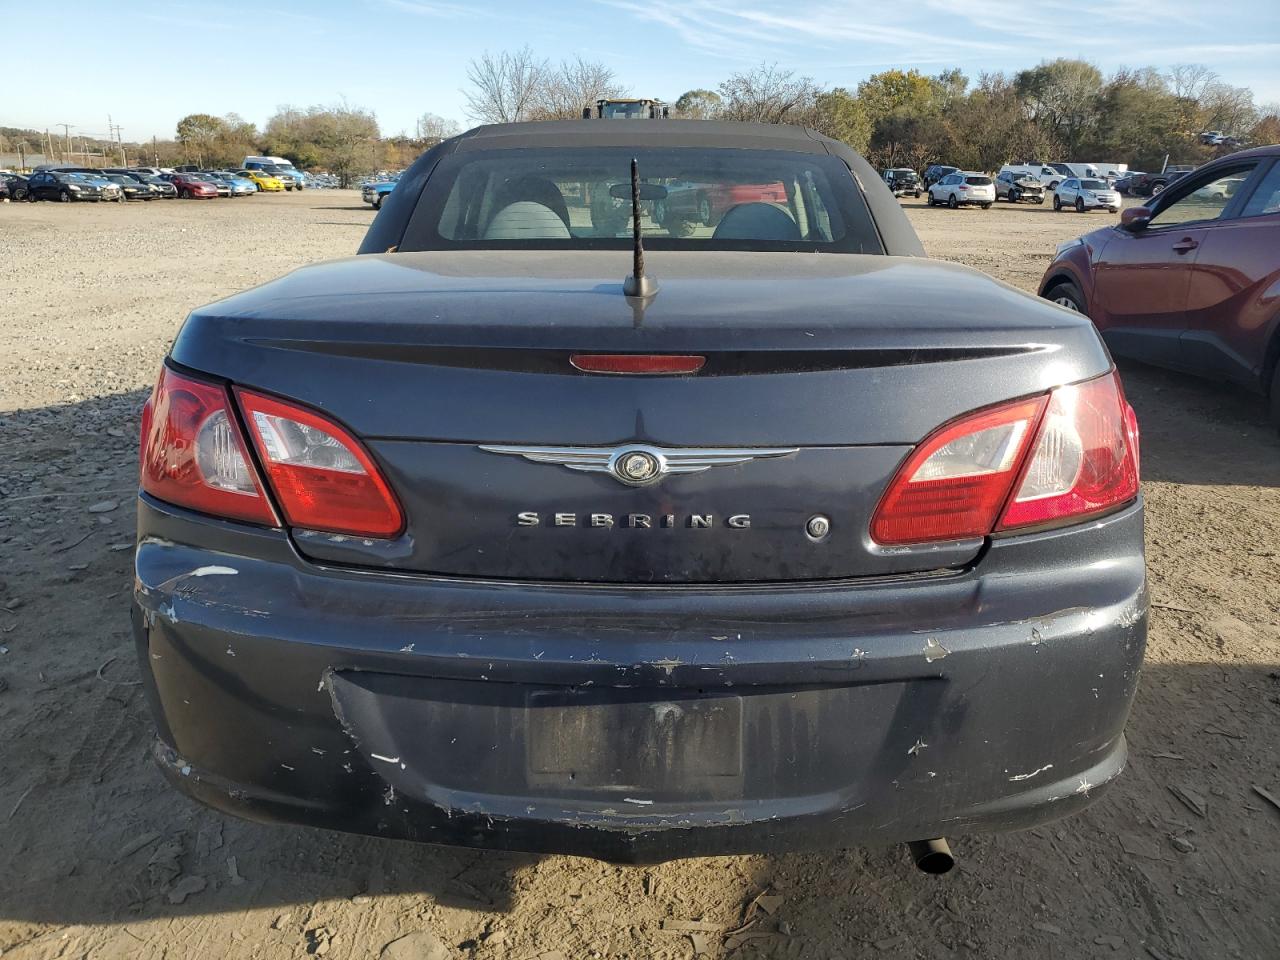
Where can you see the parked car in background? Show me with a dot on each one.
(1125, 182)
(1153, 184)
(4, 190)
(265, 182)
(903, 181)
(130, 188)
(936, 172)
(67, 187)
(1014, 186)
(721, 587)
(192, 186)
(221, 186)
(16, 184)
(1042, 173)
(279, 167)
(1083, 195)
(376, 191)
(1188, 281)
(964, 189)
(239, 186)
(1212, 137)
(164, 189)
(692, 202)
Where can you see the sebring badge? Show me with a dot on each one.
(637, 464)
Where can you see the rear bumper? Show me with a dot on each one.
(640, 723)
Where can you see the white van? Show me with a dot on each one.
(277, 167)
(1052, 174)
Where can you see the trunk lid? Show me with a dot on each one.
(822, 371)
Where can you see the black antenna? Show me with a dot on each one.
(637, 285)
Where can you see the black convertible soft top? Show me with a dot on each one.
(388, 228)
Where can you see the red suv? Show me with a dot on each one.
(1192, 279)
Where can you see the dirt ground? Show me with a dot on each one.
(98, 858)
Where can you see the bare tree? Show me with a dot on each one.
(1227, 108)
(432, 126)
(504, 88)
(767, 94)
(1188, 81)
(575, 84)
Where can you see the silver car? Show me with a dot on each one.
(1088, 194)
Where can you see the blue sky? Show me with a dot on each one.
(405, 57)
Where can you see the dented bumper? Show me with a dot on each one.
(640, 723)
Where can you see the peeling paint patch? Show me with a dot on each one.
(667, 666)
(1085, 787)
(640, 803)
(378, 756)
(915, 750)
(213, 571)
(933, 650)
(1033, 773)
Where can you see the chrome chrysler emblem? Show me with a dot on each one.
(638, 464)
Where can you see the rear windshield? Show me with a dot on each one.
(692, 198)
(977, 181)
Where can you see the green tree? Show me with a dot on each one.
(840, 115)
(197, 132)
(698, 104)
(1065, 97)
(896, 92)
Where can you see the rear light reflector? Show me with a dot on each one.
(637, 363)
(322, 477)
(1068, 455)
(193, 454)
(1085, 459)
(955, 483)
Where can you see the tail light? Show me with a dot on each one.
(1035, 462)
(1085, 459)
(322, 476)
(193, 454)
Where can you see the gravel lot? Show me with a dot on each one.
(99, 859)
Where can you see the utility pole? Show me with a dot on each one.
(114, 130)
(66, 135)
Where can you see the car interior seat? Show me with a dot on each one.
(757, 221)
(526, 220)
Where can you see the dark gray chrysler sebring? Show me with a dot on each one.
(641, 510)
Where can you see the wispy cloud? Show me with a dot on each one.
(430, 8)
(760, 31)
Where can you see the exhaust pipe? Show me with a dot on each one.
(932, 856)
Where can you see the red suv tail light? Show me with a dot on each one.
(1067, 455)
(322, 477)
(193, 454)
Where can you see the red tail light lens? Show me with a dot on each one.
(956, 482)
(1068, 455)
(1085, 459)
(323, 478)
(193, 454)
